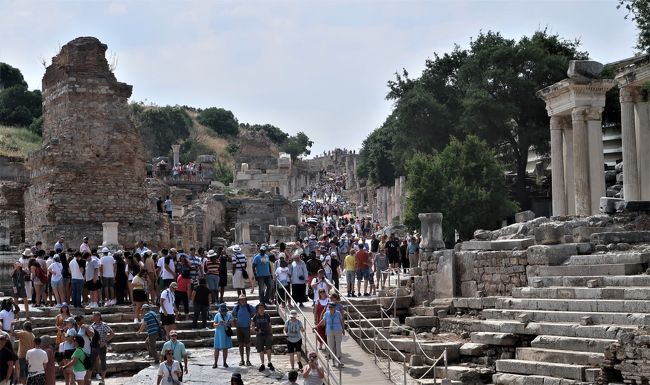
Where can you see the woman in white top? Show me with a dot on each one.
(169, 370)
(56, 270)
(313, 373)
(282, 279)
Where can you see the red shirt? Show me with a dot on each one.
(183, 284)
(362, 257)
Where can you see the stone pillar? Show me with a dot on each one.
(242, 233)
(631, 190)
(581, 161)
(109, 234)
(569, 183)
(596, 157)
(431, 230)
(176, 149)
(557, 167)
(642, 125)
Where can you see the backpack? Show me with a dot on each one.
(94, 342)
(40, 274)
(235, 310)
(87, 362)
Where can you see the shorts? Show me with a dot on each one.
(36, 379)
(393, 258)
(101, 353)
(213, 282)
(168, 319)
(108, 281)
(264, 342)
(24, 369)
(294, 347)
(364, 274)
(58, 283)
(19, 292)
(79, 376)
(243, 336)
(92, 286)
(139, 295)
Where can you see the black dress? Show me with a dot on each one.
(223, 270)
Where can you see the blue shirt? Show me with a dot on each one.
(262, 265)
(152, 322)
(332, 322)
(243, 315)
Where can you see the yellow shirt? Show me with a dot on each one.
(350, 262)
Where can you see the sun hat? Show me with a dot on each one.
(236, 248)
(70, 319)
(27, 252)
(211, 253)
(105, 250)
(293, 314)
(172, 250)
(223, 307)
(263, 248)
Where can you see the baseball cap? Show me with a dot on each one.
(173, 285)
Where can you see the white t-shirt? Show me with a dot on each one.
(36, 359)
(164, 371)
(168, 305)
(163, 272)
(75, 271)
(91, 266)
(282, 275)
(56, 269)
(7, 318)
(108, 264)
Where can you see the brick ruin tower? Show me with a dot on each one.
(90, 168)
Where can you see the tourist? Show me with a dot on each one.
(263, 335)
(350, 267)
(183, 282)
(335, 330)
(154, 331)
(67, 348)
(66, 257)
(335, 265)
(86, 333)
(313, 372)
(104, 334)
(77, 361)
(298, 275)
(39, 279)
(282, 281)
(56, 281)
(414, 252)
(152, 280)
(139, 285)
(363, 271)
(7, 360)
(242, 314)
(403, 255)
(18, 277)
(35, 363)
(77, 279)
(381, 263)
(93, 285)
(392, 252)
(319, 282)
(50, 369)
(314, 264)
(292, 377)
(168, 206)
(24, 260)
(169, 371)
(59, 245)
(25, 342)
(59, 323)
(122, 292)
(167, 266)
(262, 274)
(8, 314)
(374, 244)
(84, 247)
(293, 329)
(168, 308)
(178, 351)
(223, 273)
(201, 302)
(213, 269)
(222, 334)
(239, 273)
(320, 307)
(235, 379)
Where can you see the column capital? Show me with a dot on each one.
(586, 113)
(560, 122)
(629, 94)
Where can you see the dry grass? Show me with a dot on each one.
(202, 134)
(17, 142)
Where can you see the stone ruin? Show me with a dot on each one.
(90, 168)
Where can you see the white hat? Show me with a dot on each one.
(312, 236)
(211, 254)
(105, 250)
(27, 252)
(236, 248)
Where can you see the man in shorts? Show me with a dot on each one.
(363, 271)
(93, 285)
(168, 308)
(108, 268)
(261, 323)
(293, 329)
(243, 314)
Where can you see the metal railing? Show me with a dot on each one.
(377, 336)
(309, 344)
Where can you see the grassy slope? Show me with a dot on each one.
(17, 142)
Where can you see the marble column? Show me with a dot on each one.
(596, 157)
(581, 161)
(109, 233)
(631, 190)
(642, 125)
(176, 149)
(431, 231)
(567, 135)
(557, 167)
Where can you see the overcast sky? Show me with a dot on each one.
(318, 67)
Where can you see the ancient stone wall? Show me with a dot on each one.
(13, 169)
(260, 213)
(90, 168)
(490, 273)
(256, 150)
(631, 356)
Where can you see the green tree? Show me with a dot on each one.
(376, 155)
(639, 12)
(223, 173)
(160, 127)
(297, 145)
(219, 120)
(232, 148)
(465, 182)
(190, 150)
(19, 106)
(10, 76)
(274, 133)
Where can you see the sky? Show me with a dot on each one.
(320, 67)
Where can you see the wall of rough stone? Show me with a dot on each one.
(260, 213)
(629, 357)
(12, 214)
(13, 169)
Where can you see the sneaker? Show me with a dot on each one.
(271, 368)
(241, 363)
(135, 321)
(299, 365)
(261, 369)
(353, 295)
(214, 366)
(225, 365)
(98, 377)
(341, 365)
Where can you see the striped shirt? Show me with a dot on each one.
(212, 267)
(152, 322)
(239, 260)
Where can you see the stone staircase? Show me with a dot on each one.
(556, 330)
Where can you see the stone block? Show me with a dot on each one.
(550, 233)
(512, 244)
(524, 216)
(421, 322)
(482, 235)
(636, 206)
(555, 254)
(524, 318)
(499, 339)
(586, 321)
(608, 205)
(606, 238)
(592, 283)
(445, 275)
(442, 313)
(476, 245)
(472, 349)
(584, 70)
(468, 289)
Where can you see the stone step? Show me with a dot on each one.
(126, 366)
(464, 374)
(593, 345)
(491, 338)
(135, 346)
(570, 316)
(571, 372)
(608, 259)
(601, 280)
(582, 270)
(577, 292)
(377, 322)
(406, 345)
(525, 379)
(566, 329)
(560, 356)
(606, 238)
(585, 305)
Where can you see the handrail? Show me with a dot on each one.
(287, 298)
(377, 334)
